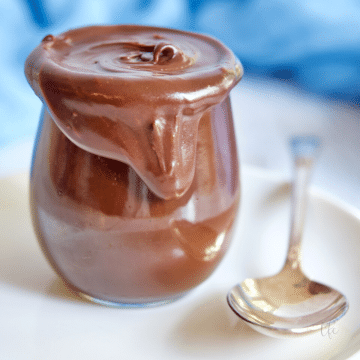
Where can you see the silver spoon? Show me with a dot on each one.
(289, 304)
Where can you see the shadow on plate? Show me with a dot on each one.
(277, 196)
(211, 327)
(22, 263)
(58, 289)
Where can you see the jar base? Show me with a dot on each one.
(125, 304)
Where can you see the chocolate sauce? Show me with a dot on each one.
(134, 185)
(134, 94)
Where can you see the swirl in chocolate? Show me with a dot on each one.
(132, 56)
(134, 94)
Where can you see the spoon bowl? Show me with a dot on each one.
(289, 304)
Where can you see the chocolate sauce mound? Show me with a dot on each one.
(134, 94)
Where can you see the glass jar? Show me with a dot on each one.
(109, 235)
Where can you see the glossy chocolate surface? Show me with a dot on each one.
(134, 94)
(135, 184)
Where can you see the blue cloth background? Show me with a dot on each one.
(312, 44)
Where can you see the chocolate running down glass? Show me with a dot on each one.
(135, 179)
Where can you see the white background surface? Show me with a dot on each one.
(267, 114)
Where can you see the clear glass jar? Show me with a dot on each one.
(115, 242)
(135, 179)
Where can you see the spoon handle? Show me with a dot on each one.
(304, 150)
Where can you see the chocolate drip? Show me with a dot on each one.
(134, 94)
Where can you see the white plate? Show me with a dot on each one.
(39, 319)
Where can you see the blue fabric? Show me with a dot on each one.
(312, 44)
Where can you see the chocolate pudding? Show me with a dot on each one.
(135, 179)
